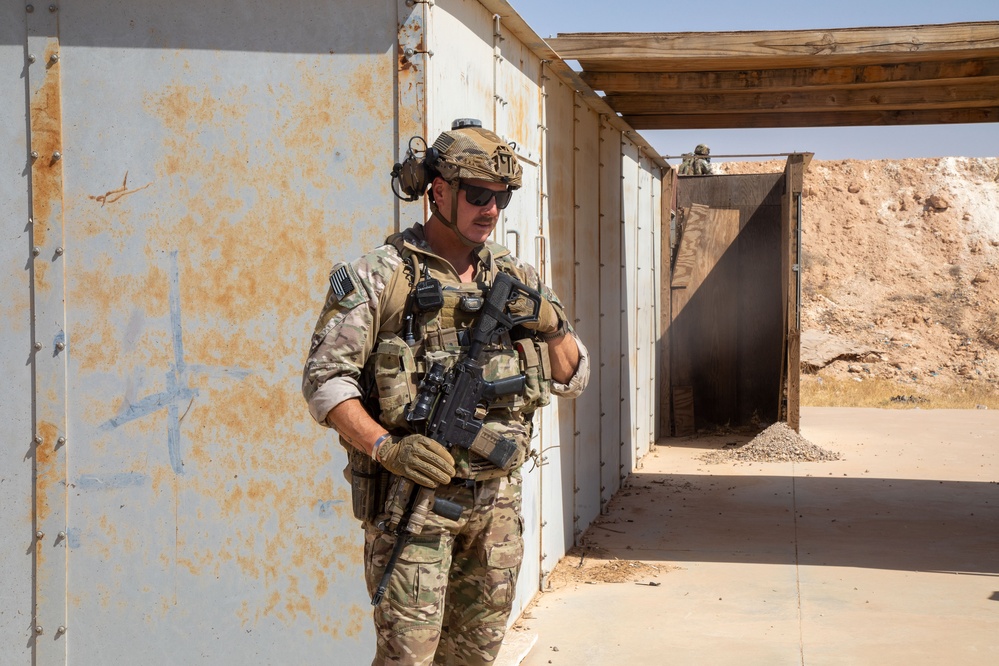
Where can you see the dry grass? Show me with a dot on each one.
(885, 394)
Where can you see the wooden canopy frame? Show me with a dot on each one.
(910, 75)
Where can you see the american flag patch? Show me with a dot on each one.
(341, 282)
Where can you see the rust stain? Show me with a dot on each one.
(257, 191)
(48, 471)
(111, 196)
(46, 170)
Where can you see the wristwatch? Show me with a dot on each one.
(563, 328)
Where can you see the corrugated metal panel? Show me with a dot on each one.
(630, 388)
(586, 316)
(648, 315)
(614, 456)
(461, 73)
(518, 119)
(557, 537)
(16, 427)
(649, 216)
(518, 94)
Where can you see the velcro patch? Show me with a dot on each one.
(343, 281)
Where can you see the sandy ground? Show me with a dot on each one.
(888, 555)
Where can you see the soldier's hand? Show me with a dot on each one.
(418, 458)
(548, 316)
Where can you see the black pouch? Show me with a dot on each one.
(369, 483)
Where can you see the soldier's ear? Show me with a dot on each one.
(437, 187)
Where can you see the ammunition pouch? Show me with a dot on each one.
(536, 366)
(394, 369)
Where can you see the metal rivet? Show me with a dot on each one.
(56, 156)
(53, 8)
(34, 154)
(38, 629)
(36, 250)
(31, 57)
(61, 630)
(409, 52)
(59, 251)
(60, 442)
(60, 346)
(38, 439)
(39, 534)
(62, 535)
(38, 345)
(54, 57)
(29, 8)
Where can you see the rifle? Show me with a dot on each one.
(446, 410)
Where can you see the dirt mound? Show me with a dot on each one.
(778, 443)
(900, 261)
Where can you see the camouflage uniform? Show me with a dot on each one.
(450, 596)
(696, 164)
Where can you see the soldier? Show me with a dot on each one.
(387, 316)
(698, 164)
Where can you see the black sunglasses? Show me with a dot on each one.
(481, 196)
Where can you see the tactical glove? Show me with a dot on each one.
(417, 458)
(548, 317)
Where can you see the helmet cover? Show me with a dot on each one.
(474, 152)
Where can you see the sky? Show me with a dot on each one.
(550, 17)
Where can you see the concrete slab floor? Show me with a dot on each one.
(887, 556)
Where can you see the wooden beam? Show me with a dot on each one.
(912, 73)
(694, 51)
(709, 120)
(956, 96)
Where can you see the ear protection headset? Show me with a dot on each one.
(413, 176)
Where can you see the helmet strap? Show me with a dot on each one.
(452, 223)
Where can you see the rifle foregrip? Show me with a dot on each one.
(506, 386)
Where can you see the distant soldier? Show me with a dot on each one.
(698, 164)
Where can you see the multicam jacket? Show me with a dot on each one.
(357, 349)
(695, 165)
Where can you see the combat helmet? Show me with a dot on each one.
(702, 150)
(468, 151)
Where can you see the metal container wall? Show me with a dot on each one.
(214, 162)
(483, 66)
(17, 533)
(199, 170)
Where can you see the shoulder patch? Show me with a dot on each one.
(344, 281)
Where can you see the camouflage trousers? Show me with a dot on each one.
(450, 596)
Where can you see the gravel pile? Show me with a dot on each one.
(778, 443)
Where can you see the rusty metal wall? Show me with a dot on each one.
(199, 168)
(214, 161)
